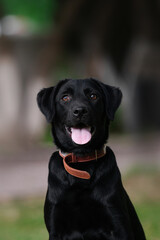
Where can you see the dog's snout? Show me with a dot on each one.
(79, 111)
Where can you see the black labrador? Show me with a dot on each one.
(85, 198)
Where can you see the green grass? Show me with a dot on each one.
(142, 184)
(149, 214)
(23, 219)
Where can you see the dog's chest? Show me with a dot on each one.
(77, 209)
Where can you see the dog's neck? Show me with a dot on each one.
(71, 158)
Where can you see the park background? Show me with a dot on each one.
(44, 41)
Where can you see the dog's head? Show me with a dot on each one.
(80, 112)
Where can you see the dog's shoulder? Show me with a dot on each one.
(55, 163)
(110, 158)
(57, 175)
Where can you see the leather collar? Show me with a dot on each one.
(71, 158)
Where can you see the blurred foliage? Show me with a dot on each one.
(148, 170)
(117, 125)
(47, 137)
(39, 11)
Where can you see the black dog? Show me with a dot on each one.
(85, 198)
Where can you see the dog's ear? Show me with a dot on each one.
(45, 100)
(113, 97)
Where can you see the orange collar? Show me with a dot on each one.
(71, 158)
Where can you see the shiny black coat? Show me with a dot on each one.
(98, 208)
(78, 209)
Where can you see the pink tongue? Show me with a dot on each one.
(81, 136)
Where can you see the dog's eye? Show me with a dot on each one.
(93, 96)
(66, 98)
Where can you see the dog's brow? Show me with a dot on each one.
(89, 90)
(67, 90)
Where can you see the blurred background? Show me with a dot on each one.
(44, 41)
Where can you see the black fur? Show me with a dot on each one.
(78, 209)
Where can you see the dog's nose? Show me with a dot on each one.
(80, 111)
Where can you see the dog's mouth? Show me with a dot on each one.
(80, 134)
